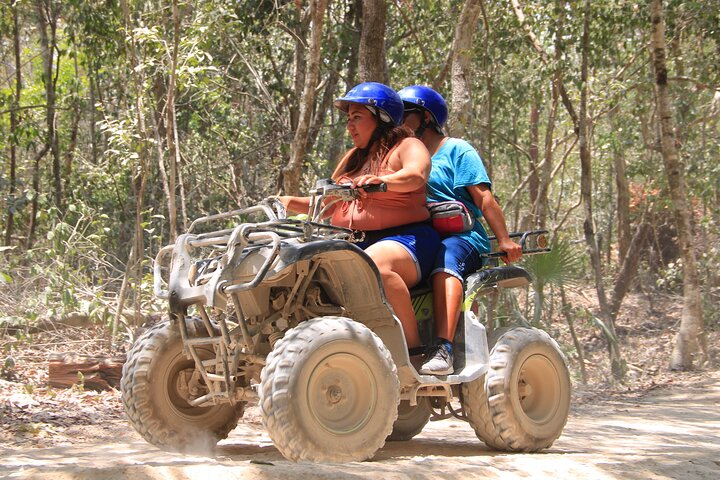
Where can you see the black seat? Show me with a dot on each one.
(507, 276)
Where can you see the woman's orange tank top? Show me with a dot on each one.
(380, 210)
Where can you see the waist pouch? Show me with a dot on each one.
(450, 217)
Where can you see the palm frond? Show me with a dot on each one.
(562, 266)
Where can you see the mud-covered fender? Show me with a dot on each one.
(352, 280)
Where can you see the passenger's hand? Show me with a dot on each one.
(513, 251)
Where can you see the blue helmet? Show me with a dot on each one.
(427, 99)
(381, 100)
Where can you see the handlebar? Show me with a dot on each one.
(327, 193)
(328, 187)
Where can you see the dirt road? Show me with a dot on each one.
(668, 434)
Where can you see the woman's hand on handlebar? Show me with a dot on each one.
(364, 181)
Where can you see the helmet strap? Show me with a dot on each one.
(421, 129)
(377, 133)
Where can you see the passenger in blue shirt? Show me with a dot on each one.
(457, 173)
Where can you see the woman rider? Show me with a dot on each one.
(399, 238)
(457, 173)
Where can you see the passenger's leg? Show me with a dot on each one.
(447, 299)
(399, 273)
(454, 260)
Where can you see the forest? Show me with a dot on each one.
(122, 121)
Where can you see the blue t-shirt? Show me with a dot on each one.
(457, 165)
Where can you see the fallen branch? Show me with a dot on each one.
(92, 372)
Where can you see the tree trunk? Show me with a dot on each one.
(140, 173)
(544, 170)
(488, 144)
(170, 127)
(617, 364)
(353, 18)
(690, 338)
(92, 76)
(47, 27)
(628, 268)
(461, 113)
(568, 314)
(291, 173)
(300, 62)
(14, 124)
(34, 206)
(372, 66)
(623, 197)
(74, 124)
(534, 150)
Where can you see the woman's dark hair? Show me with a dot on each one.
(386, 136)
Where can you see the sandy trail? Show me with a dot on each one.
(669, 434)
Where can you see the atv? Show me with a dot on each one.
(289, 313)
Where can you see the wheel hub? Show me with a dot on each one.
(538, 388)
(341, 393)
(334, 394)
(188, 385)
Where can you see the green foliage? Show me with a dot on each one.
(562, 266)
(236, 108)
(670, 277)
(74, 281)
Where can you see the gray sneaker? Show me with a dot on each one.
(438, 361)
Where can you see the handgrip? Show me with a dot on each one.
(378, 187)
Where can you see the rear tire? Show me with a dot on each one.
(329, 392)
(525, 401)
(154, 378)
(410, 420)
(476, 406)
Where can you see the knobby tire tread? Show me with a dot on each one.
(137, 400)
(510, 435)
(275, 394)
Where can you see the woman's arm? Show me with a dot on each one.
(411, 162)
(295, 204)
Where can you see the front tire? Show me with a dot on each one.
(154, 392)
(329, 392)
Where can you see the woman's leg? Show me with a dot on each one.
(399, 273)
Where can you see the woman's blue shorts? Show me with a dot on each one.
(419, 239)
